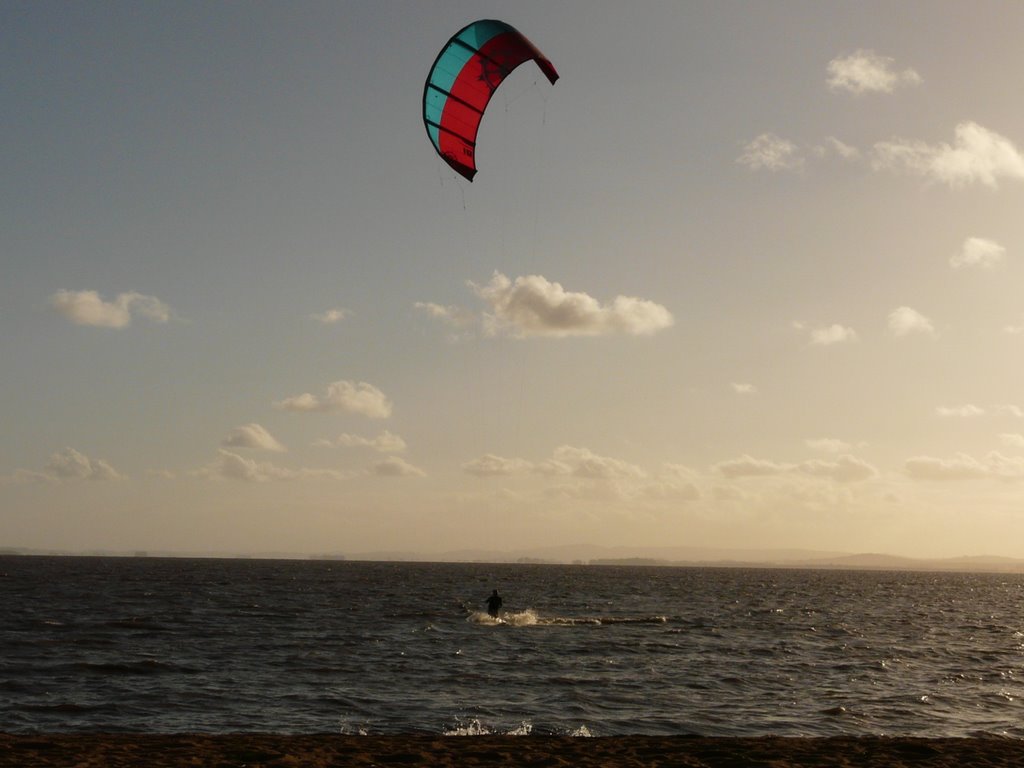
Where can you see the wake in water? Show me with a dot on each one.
(530, 618)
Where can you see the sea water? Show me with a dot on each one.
(206, 645)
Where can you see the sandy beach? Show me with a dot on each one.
(323, 750)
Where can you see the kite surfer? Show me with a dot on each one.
(494, 604)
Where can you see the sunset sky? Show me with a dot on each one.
(748, 275)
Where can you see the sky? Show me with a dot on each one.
(747, 276)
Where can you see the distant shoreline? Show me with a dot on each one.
(859, 562)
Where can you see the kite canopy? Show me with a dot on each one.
(464, 77)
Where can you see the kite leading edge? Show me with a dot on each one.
(464, 77)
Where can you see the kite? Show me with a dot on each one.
(465, 75)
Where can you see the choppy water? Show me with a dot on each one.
(89, 644)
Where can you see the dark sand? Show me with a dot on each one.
(322, 750)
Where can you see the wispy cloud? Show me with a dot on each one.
(977, 252)
(977, 155)
(232, 466)
(385, 442)
(743, 388)
(904, 321)
(490, 465)
(865, 71)
(534, 306)
(965, 467)
(332, 316)
(393, 466)
(252, 436)
(960, 411)
(845, 469)
(87, 308)
(771, 153)
(361, 398)
(833, 334)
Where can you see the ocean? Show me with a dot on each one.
(291, 646)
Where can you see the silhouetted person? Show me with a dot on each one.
(494, 604)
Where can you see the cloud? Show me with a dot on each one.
(833, 146)
(833, 334)
(960, 411)
(743, 389)
(361, 398)
(584, 463)
(332, 316)
(232, 466)
(385, 442)
(490, 465)
(87, 308)
(846, 469)
(904, 321)
(251, 436)
(772, 153)
(977, 252)
(864, 71)
(977, 155)
(965, 467)
(533, 306)
(393, 466)
(65, 466)
(1014, 440)
(748, 466)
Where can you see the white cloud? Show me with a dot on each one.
(846, 469)
(743, 389)
(385, 442)
(904, 321)
(827, 445)
(584, 463)
(960, 411)
(865, 71)
(393, 466)
(1013, 410)
(251, 436)
(533, 306)
(69, 464)
(232, 466)
(1013, 330)
(332, 316)
(361, 398)
(977, 155)
(833, 146)
(978, 252)
(965, 467)
(748, 466)
(490, 465)
(1014, 440)
(87, 308)
(833, 334)
(772, 153)
(65, 466)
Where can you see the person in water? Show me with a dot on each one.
(494, 604)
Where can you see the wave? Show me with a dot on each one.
(530, 618)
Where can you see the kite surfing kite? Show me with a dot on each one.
(465, 75)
